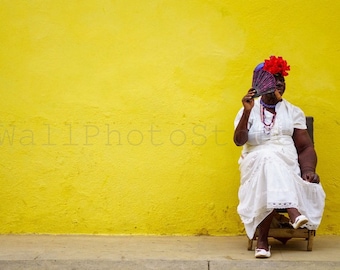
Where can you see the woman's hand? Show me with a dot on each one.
(248, 100)
(311, 177)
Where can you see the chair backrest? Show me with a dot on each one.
(310, 126)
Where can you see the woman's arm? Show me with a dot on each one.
(306, 155)
(241, 131)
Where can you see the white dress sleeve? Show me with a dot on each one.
(299, 118)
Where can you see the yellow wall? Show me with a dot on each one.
(116, 117)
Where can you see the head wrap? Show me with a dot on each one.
(259, 67)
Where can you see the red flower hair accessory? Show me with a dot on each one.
(276, 65)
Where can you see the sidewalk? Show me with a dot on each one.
(161, 252)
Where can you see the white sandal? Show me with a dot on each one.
(299, 221)
(262, 253)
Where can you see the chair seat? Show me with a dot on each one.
(283, 235)
(282, 230)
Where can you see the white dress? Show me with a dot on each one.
(270, 172)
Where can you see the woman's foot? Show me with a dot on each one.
(262, 253)
(299, 221)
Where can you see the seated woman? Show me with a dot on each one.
(278, 161)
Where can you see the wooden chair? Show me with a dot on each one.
(282, 230)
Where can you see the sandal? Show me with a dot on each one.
(262, 253)
(299, 221)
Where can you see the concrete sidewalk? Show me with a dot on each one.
(161, 252)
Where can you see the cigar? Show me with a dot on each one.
(277, 94)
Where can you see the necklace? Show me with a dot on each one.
(267, 127)
(267, 106)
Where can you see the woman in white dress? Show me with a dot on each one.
(277, 163)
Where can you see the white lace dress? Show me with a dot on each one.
(270, 173)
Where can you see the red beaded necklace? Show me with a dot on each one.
(267, 127)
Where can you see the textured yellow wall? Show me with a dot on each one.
(116, 117)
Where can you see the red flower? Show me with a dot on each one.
(276, 65)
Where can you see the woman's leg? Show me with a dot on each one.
(293, 214)
(264, 226)
(296, 218)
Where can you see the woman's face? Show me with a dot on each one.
(280, 84)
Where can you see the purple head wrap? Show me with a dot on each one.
(259, 67)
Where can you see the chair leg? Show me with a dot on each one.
(250, 244)
(311, 234)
